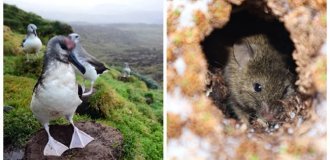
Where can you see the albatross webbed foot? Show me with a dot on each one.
(54, 148)
(79, 138)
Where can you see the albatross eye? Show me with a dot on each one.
(63, 46)
(257, 87)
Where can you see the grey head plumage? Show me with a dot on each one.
(31, 29)
(59, 48)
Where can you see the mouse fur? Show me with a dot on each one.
(258, 78)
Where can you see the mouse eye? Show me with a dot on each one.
(257, 87)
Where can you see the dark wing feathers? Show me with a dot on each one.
(22, 45)
(99, 67)
(80, 91)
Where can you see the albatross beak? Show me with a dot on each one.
(75, 62)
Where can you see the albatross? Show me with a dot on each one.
(31, 43)
(93, 67)
(126, 70)
(56, 93)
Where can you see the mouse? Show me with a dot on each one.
(258, 78)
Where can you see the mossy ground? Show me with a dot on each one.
(130, 106)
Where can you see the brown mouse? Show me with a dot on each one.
(258, 79)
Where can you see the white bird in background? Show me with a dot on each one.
(31, 43)
(56, 93)
(93, 67)
(126, 70)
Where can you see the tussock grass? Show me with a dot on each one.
(19, 123)
(124, 106)
(18, 91)
(12, 42)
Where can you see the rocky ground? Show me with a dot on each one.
(108, 143)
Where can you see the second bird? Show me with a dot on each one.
(93, 67)
(31, 43)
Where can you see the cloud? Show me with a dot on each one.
(96, 11)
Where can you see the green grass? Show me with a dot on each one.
(19, 125)
(18, 91)
(10, 64)
(125, 107)
(130, 106)
(12, 42)
(18, 66)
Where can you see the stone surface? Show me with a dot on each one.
(108, 143)
(7, 109)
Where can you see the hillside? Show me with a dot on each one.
(18, 19)
(141, 45)
(131, 107)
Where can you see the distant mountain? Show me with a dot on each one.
(141, 45)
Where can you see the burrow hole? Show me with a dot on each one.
(243, 22)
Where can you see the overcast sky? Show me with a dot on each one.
(95, 11)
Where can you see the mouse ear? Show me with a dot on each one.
(243, 52)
